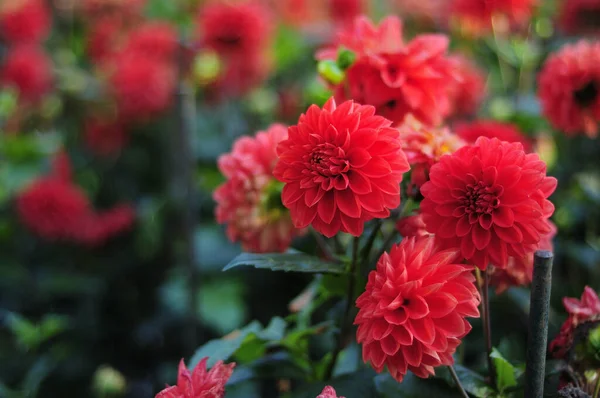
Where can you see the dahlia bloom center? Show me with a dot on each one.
(481, 199)
(327, 160)
(586, 95)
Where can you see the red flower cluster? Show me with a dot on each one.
(489, 200)
(493, 129)
(199, 383)
(580, 311)
(580, 16)
(24, 21)
(412, 313)
(250, 201)
(342, 166)
(28, 69)
(519, 271)
(475, 16)
(55, 209)
(396, 78)
(328, 392)
(569, 87)
(424, 146)
(240, 34)
(468, 90)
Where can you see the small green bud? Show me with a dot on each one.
(207, 67)
(108, 382)
(331, 72)
(345, 58)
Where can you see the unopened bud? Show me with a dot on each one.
(331, 72)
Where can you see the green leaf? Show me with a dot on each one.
(413, 387)
(471, 381)
(291, 261)
(224, 348)
(333, 285)
(505, 371)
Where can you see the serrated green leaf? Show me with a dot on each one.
(505, 371)
(291, 261)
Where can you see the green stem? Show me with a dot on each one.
(597, 389)
(345, 324)
(487, 325)
(457, 381)
(323, 245)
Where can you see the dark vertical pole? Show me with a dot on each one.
(182, 191)
(538, 324)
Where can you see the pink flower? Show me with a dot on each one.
(328, 392)
(199, 383)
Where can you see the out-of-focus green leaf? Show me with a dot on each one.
(290, 261)
(413, 387)
(505, 371)
(471, 381)
(333, 285)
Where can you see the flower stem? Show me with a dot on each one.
(345, 324)
(487, 324)
(323, 245)
(457, 381)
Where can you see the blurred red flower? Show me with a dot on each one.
(342, 166)
(199, 383)
(396, 78)
(142, 86)
(489, 200)
(128, 9)
(470, 132)
(412, 226)
(24, 21)
(580, 311)
(105, 137)
(580, 16)
(569, 87)
(412, 313)
(328, 392)
(469, 89)
(53, 209)
(240, 34)
(345, 11)
(153, 39)
(29, 70)
(519, 271)
(249, 202)
(102, 38)
(424, 146)
(475, 16)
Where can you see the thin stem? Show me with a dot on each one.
(345, 325)
(597, 389)
(323, 245)
(487, 324)
(457, 381)
(370, 241)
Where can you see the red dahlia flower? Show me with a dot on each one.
(466, 92)
(489, 200)
(412, 313)
(142, 86)
(250, 201)
(240, 34)
(199, 383)
(153, 39)
(394, 77)
(102, 38)
(580, 311)
(328, 392)
(580, 16)
(24, 21)
(493, 129)
(29, 70)
(519, 271)
(475, 16)
(569, 87)
(97, 228)
(53, 209)
(342, 166)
